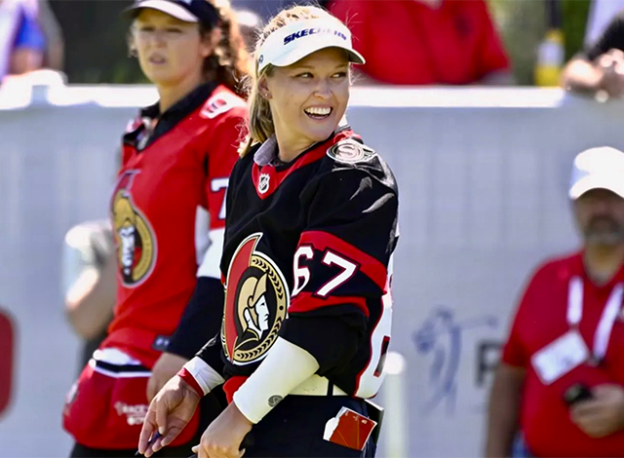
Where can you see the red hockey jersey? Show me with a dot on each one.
(168, 212)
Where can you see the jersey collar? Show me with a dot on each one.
(267, 153)
(172, 116)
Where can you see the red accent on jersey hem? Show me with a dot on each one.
(385, 342)
(305, 302)
(185, 375)
(7, 345)
(370, 266)
(358, 378)
(232, 385)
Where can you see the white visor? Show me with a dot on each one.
(294, 41)
(598, 168)
(167, 7)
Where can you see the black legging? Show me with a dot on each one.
(210, 407)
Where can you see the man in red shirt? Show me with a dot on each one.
(423, 42)
(561, 379)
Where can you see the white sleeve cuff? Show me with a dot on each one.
(285, 367)
(205, 376)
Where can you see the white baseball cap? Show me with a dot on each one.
(299, 39)
(184, 10)
(598, 168)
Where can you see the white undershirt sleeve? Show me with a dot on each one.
(285, 367)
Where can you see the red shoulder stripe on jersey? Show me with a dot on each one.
(272, 178)
(370, 266)
(305, 302)
(275, 178)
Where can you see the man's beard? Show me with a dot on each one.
(604, 231)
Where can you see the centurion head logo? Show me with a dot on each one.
(253, 308)
(256, 303)
(134, 239)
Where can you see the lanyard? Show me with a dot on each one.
(609, 314)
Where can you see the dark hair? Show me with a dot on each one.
(229, 62)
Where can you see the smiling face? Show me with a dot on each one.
(308, 99)
(170, 51)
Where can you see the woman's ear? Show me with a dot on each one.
(132, 50)
(263, 86)
(210, 42)
(132, 47)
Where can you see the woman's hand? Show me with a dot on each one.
(165, 368)
(168, 413)
(224, 436)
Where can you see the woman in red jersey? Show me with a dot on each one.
(168, 214)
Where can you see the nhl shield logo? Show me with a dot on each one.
(256, 303)
(263, 183)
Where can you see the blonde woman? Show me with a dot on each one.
(311, 226)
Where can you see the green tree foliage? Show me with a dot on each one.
(575, 13)
(95, 32)
(523, 23)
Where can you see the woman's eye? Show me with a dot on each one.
(304, 75)
(340, 75)
(174, 31)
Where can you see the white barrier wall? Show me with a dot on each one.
(482, 175)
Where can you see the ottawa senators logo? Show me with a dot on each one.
(256, 301)
(135, 243)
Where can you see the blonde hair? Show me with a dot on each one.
(261, 126)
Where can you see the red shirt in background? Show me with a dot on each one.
(540, 319)
(408, 42)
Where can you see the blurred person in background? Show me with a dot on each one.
(426, 42)
(250, 25)
(601, 12)
(55, 48)
(89, 267)
(599, 69)
(22, 42)
(167, 215)
(561, 378)
(89, 280)
(265, 9)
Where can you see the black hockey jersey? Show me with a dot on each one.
(306, 256)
